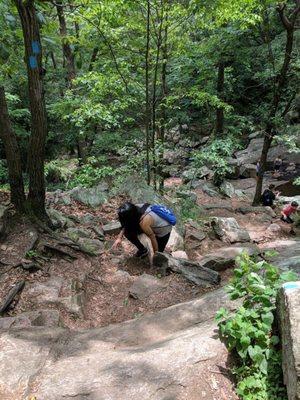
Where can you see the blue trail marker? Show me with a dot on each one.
(33, 62)
(36, 49)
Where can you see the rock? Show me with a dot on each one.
(273, 229)
(196, 173)
(210, 189)
(144, 286)
(92, 197)
(176, 241)
(218, 207)
(227, 189)
(48, 318)
(224, 258)
(195, 235)
(288, 307)
(59, 220)
(46, 292)
(77, 233)
(229, 231)
(92, 247)
(5, 213)
(122, 361)
(74, 304)
(248, 171)
(88, 219)
(180, 254)
(256, 210)
(287, 200)
(123, 275)
(235, 168)
(192, 271)
(187, 194)
(112, 228)
(255, 135)
(288, 254)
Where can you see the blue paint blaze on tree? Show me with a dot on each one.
(33, 62)
(36, 49)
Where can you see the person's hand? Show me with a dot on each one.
(116, 244)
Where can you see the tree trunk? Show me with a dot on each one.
(13, 156)
(147, 111)
(289, 25)
(220, 91)
(93, 58)
(67, 51)
(33, 59)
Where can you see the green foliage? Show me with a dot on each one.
(250, 332)
(189, 210)
(60, 171)
(3, 173)
(215, 155)
(90, 174)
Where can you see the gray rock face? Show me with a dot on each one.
(92, 197)
(74, 304)
(225, 257)
(59, 220)
(248, 170)
(256, 210)
(176, 241)
(92, 247)
(128, 361)
(288, 254)
(77, 233)
(227, 189)
(187, 194)
(46, 292)
(4, 218)
(112, 228)
(210, 190)
(144, 286)
(289, 320)
(48, 318)
(229, 231)
(192, 271)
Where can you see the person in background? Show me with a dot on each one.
(138, 219)
(258, 169)
(269, 196)
(287, 212)
(277, 165)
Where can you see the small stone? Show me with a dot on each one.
(74, 304)
(180, 254)
(112, 228)
(144, 286)
(228, 230)
(92, 247)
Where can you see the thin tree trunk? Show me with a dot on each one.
(164, 90)
(33, 59)
(93, 58)
(67, 51)
(289, 25)
(13, 156)
(147, 114)
(220, 91)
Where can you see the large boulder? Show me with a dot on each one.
(59, 220)
(163, 355)
(227, 189)
(112, 228)
(225, 257)
(93, 197)
(176, 241)
(92, 247)
(229, 231)
(192, 271)
(248, 171)
(287, 254)
(289, 321)
(42, 317)
(46, 292)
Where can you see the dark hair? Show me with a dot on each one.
(294, 204)
(129, 217)
(272, 186)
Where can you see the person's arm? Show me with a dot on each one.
(146, 228)
(118, 241)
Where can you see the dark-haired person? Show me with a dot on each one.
(269, 196)
(277, 165)
(287, 212)
(138, 219)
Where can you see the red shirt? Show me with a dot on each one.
(288, 210)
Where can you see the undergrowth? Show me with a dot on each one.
(250, 333)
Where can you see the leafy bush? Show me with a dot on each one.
(59, 171)
(91, 173)
(215, 156)
(189, 210)
(250, 332)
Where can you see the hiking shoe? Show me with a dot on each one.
(141, 253)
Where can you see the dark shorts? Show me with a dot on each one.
(287, 219)
(277, 167)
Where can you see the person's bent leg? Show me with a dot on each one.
(162, 242)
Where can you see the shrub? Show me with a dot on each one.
(59, 171)
(251, 333)
(3, 173)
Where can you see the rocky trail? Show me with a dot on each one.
(99, 324)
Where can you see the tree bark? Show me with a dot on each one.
(13, 156)
(93, 58)
(67, 51)
(289, 25)
(147, 111)
(220, 91)
(33, 59)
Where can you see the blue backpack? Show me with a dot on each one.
(164, 213)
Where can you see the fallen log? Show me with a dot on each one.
(11, 295)
(192, 271)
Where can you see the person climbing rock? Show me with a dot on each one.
(287, 212)
(269, 196)
(258, 170)
(155, 221)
